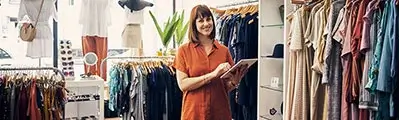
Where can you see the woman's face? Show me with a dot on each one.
(204, 25)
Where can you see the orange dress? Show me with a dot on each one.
(209, 102)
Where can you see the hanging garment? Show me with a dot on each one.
(42, 45)
(98, 45)
(142, 92)
(24, 101)
(366, 99)
(135, 17)
(95, 17)
(132, 36)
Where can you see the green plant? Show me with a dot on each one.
(181, 30)
(167, 32)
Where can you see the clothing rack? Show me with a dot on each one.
(34, 68)
(56, 70)
(238, 3)
(138, 57)
(131, 57)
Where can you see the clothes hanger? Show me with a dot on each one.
(255, 9)
(246, 11)
(309, 6)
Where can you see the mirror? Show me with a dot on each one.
(90, 59)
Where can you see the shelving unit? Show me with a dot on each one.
(81, 109)
(271, 32)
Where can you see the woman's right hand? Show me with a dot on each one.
(222, 68)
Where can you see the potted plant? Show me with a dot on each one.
(167, 32)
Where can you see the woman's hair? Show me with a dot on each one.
(199, 11)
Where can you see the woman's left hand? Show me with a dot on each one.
(235, 76)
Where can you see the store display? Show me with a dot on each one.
(95, 18)
(134, 18)
(42, 45)
(66, 59)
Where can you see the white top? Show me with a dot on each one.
(42, 45)
(134, 17)
(95, 17)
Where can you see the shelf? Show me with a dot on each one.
(264, 117)
(273, 25)
(279, 89)
(265, 56)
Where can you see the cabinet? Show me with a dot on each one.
(80, 109)
(271, 32)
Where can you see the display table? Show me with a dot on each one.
(82, 104)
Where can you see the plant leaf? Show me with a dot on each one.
(169, 33)
(160, 32)
(183, 33)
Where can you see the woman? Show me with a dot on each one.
(199, 65)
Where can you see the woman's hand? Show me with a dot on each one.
(222, 68)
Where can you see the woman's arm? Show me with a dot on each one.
(186, 84)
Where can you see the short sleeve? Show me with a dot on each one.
(229, 58)
(180, 61)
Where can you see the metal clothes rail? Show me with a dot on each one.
(132, 57)
(34, 68)
(238, 3)
(56, 70)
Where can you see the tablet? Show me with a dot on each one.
(248, 62)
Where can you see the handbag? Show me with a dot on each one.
(28, 30)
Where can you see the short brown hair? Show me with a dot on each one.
(196, 12)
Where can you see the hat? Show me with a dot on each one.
(278, 51)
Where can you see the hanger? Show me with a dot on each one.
(255, 9)
(218, 11)
(310, 5)
(245, 11)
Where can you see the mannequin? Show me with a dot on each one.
(95, 17)
(42, 45)
(131, 35)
